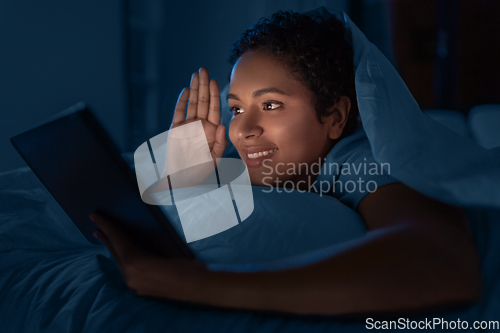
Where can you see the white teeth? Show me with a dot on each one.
(262, 153)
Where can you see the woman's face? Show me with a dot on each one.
(276, 120)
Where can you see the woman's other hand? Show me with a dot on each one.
(148, 274)
(202, 100)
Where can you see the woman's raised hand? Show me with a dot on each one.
(202, 100)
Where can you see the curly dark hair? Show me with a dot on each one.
(317, 52)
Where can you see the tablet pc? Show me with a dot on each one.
(82, 168)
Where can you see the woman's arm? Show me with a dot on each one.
(418, 254)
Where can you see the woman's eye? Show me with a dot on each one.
(271, 105)
(267, 106)
(236, 110)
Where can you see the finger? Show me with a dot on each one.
(214, 111)
(103, 238)
(220, 142)
(203, 94)
(124, 248)
(193, 97)
(180, 107)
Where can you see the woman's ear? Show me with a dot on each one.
(338, 119)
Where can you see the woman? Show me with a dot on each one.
(294, 101)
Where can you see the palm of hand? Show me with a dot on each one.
(209, 128)
(202, 100)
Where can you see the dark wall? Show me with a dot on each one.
(54, 54)
(447, 51)
(129, 70)
(171, 41)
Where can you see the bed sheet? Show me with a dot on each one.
(53, 280)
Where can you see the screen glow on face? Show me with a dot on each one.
(275, 128)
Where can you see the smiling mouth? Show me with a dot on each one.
(255, 160)
(261, 153)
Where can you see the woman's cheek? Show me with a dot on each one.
(231, 132)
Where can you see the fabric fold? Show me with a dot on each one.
(422, 153)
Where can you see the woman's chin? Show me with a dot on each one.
(257, 179)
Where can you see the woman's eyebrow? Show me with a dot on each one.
(260, 92)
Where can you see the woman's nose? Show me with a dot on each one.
(249, 126)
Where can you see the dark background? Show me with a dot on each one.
(130, 59)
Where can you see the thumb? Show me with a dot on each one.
(220, 142)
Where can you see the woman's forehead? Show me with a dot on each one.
(258, 63)
(257, 70)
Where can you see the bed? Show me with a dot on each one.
(53, 280)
